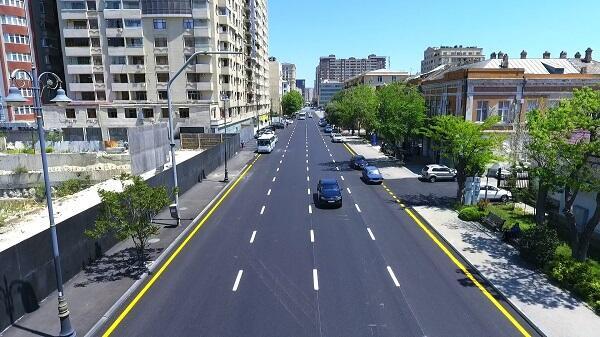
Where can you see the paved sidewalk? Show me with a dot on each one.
(554, 311)
(92, 292)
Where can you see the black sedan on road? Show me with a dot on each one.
(358, 162)
(329, 193)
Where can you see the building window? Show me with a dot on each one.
(160, 24)
(164, 112)
(88, 96)
(111, 112)
(379, 79)
(13, 20)
(188, 23)
(13, 3)
(162, 77)
(131, 4)
(133, 23)
(160, 42)
(482, 110)
(140, 96)
(70, 113)
(18, 57)
(100, 96)
(115, 42)
(184, 113)
(148, 112)
(504, 111)
(16, 38)
(194, 95)
(162, 60)
(532, 104)
(162, 94)
(91, 113)
(130, 113)
(24, 110)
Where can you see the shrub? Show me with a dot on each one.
(483, 204)
(579, 277)
(20, 170)
(49, 149)
(470, 214)
(72, 186)
(39, 193)
(28, 151)
(538, 244)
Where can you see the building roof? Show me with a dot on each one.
(537, 66)
(378, 72)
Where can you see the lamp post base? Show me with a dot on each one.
(66, 330)
(226, 179)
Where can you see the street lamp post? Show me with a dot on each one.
(225, 99)
(171, 128)
(15, 99)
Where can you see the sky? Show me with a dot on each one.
(300, 31)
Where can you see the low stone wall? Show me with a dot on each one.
(9, 182)
(26, 269)
(33, 162)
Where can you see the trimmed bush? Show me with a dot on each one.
(538, 244)
(49, 149)
(470, 214)
(20, 170)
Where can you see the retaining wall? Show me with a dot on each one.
(26, 269)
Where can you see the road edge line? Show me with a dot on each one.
(136, 285)
(486, 281)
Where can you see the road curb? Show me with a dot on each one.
(487, 282)
(136, 285)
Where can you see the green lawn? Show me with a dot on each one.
(512, 216)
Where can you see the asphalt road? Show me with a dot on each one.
(269, 262)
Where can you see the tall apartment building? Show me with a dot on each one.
(275, 84)
(15, 53)
(46, 39)
(288, 71)
(434, 57)
(120, 54)
(301, 87)
(340, 70)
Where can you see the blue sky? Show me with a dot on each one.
(302, 30)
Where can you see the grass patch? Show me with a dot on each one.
(508, 213)
(9, 208)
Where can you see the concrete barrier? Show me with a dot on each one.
(33, 162)
(26, 269)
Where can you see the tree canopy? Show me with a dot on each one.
(401, 111)
(291, 102)
(466, 144)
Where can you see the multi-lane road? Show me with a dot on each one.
(267, 262)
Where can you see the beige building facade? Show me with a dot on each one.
(434, 57)
(275, 85)
(119, 56)
(377, 78)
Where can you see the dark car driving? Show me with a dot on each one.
(358, 162)
(329, 193)
(328, 129)
(372, 175)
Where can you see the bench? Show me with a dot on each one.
(493, 221)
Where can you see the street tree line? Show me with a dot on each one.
(395, 111)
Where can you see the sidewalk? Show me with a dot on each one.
(93, 291)
(554, 311)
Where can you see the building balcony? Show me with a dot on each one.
(225, 20)
(98, 68)
(226, 37)
(73, 14)
(125, 32)
(161, 85)
(189, 50)
(205, 68)
(127, 68)
(73, 69)
(227, 71)
(128, 86)
(163, 67)
(75, 32)
(202, 86)
(100, 86)
(122, 13)
(77, 51)
(161, 50)
(200, 13)
(227, 86)
(96, 51)
(81, 87)
(126, 51)
(203, 31)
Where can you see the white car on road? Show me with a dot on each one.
(494, 193)
(337, 138)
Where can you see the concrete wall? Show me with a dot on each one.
(32, 179)
(33, 162)
(26, 269)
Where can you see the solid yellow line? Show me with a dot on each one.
(457, 263)
(469, 275)
(141, 294)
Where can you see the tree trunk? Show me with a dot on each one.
(569, 198)
(540, 203)
(586, 235)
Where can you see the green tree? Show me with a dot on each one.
(466, 144)
(291, 102)
(54, 136)
(354, 108)
(577, 151)
(401, 112)
(129, 214)
(546, 131)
